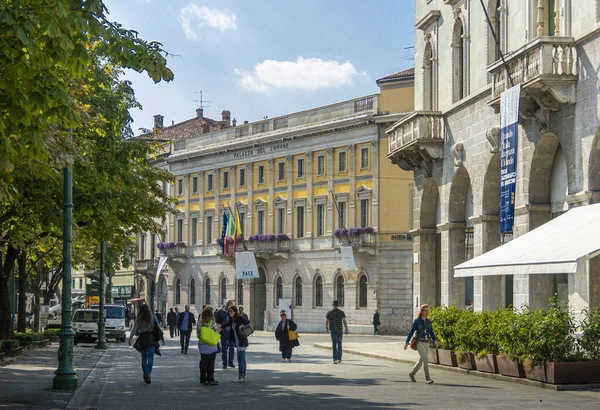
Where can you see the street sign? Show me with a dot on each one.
(92, 293)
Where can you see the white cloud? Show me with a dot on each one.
(303, 74)
(192, 17)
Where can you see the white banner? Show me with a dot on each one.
(161, 265)
(348, 258)
(245, 265)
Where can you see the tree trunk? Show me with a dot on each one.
(22, 313)
(6, 321)
(36, 309)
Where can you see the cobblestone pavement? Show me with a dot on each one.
(310, 381)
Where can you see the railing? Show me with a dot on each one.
(366, 104)
(242, 131)
(260, 127)
(420, 125)
(361, 240)
(270, 246)
(279, 123)
(545, 56)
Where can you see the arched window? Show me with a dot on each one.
(318, 291)
(362, 292)
(223, 289)
(177, 292)
(458, 60)
(240, 292)
(339, 289)
(192, 294)
(298, 291)
(429, 103)
(278, 290)
(207, 291)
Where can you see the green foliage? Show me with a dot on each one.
(551, 333)
(50, 333)
(444, 319)
(8, 345)
(590, 334)
(27, 339)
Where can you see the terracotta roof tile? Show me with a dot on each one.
(401, 75)
(184, 130)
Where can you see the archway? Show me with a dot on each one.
(258, 298)
(427, 245)
(161, 299)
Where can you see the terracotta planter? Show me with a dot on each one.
(488, 364)
(447, 357)
(535, 372)
(573, 372)
(508, 367)
(469, 362)
(433, 356)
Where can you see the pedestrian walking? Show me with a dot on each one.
(241, 341)
(335, 319)
(185, 325)
(158, 316)
(208, 353)
(376, 322)
(242, 313)
(172, 321)
(177, 313)
(223, 319)
(149, 333)
(283, 337)
(422, 326)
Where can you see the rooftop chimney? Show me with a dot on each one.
(205, 128)
(234, 122)
(226, 117)
(158, 121)
(245, 122)
(199, 112)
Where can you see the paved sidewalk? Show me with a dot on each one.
(26, 381)
(391, 348)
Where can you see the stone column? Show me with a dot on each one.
(270, 298)
(172, 218)
(201, 208)
(593, 272)
(290, 194)
(489, 290)
(217, 217)
(453, 253)
(186, 208)
(425, 280)
(352, 196)
(270, 215)
(250, 208)
(350, 302)
(375, 169)
(309, 201)
(330, 205)
(233, 187)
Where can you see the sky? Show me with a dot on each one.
(260, 58)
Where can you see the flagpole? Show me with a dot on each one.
(242, 233)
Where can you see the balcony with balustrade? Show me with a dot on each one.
(416, 140)
(546, 68)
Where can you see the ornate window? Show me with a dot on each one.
(339, 289)
(319, 291)
(362, 291)
(223, 290)
(278, 290)
(240, 292)
(192, 294)
(458, 60)
(298, 291)
(207, 291)
(177, 292)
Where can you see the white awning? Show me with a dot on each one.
(553, 248)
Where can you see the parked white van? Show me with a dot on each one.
(85, 325)
(115, 322)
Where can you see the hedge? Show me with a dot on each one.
(26, 339)
(8, 345)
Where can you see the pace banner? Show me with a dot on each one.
(348, 262)
(509, 136)
(161, 265)
(245, 265)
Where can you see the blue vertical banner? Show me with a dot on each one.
(509, 136)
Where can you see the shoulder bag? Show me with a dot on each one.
(209, 336)
(247, 330)
(292, 334)
(414, 342)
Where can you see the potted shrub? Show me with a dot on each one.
(467, 339)
(485, 343)
(506, 332)
(444, 320)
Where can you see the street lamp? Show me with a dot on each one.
(65, 375)
(101, 343)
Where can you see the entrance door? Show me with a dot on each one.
(161, 304)
(259, 300)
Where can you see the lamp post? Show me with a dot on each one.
(101, 343)
(65, 375)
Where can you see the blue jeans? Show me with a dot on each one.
(148, 360)
(336, 341)
(228, 347)
(286, 353)
(241, 363)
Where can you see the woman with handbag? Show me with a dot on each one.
(287, 336)
(240, 339)
(208, 338)
(419, 337)
(149, 333)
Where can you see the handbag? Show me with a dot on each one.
(247, 331)
(293, 335)
(209, 336)
(219, 348)
(414, 342)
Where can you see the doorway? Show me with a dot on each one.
(258, 295)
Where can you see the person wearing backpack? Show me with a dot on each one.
(223, 319)
(208, 352)
(241, 341)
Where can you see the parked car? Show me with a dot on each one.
(85, 325)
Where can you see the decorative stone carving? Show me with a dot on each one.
(457, 153)
(493, 137)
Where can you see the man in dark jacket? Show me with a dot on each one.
(171, 321)
(185, 325)
(222, 318)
